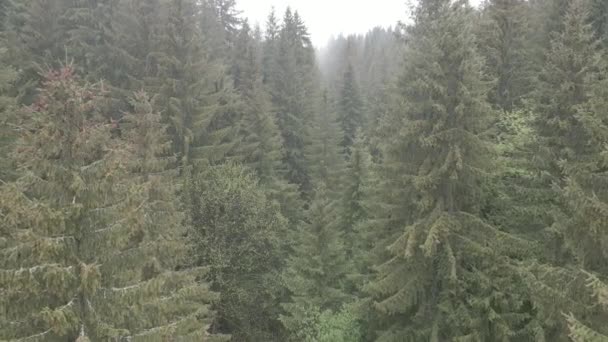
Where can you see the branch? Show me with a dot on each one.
(35, 337)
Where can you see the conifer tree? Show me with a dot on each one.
(504, 39)
(92, 39)
(8, 76)
(36, 38)
(563, 88)
(220, 26)
(270, 54)
(81, 251)
(448, 277)
(195, 94)
(260, 144)
(350, 109)
(137, 26)
(356, 180)
(240, 234)
(293, 89)
(598, 11)
(315, 273)
(327, 165)
(576, 132)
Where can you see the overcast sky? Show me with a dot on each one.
(325, 18)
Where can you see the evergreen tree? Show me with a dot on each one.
(449, 276)
(240, 234)
(598, 12)
(293, 89)
(563, 88)
(350, 109)
(260, 142)
(92, 39)
(220, 26)
(80, 244)
(327, 165)
(579, 133)
(315, 273)
(503, 42)
(8, 76)
(36, 37)
(194, 92)
(270, 53)
(137, 28)
(354, 213)
(576, 133)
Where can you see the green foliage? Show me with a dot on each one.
(292, 84)
(438, 181)
(240, 234)
(8, 76)
(350, 109)
(85, 221)
(503, 42)
(316, 271)
(261, 146)
(449, 275)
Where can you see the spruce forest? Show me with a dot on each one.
(171, 172)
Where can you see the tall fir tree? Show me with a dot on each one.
(450, 275)
(327, 164)
(270, 54)
(315, 274)
(137, 26)
(261, 145)
(293, 86)
(91, 39)
(80, 245)
(350, 110)
(504, 40)
(8, 104)
(578, 132)
(598, 12)
(195, 93)
(36, 38)
(563, 88)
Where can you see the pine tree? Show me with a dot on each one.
(270, 54)
(327, 165)
(81, 235)
(449, 276)
(315, 273)
(582, 147)
(576, 133)
(260, 144)
(353, 197)
(8, 76)
(504, 39)
(92, 39)
(195, 95)
(36, 37)
(220, 26)
(136, 26)
(293, 89)
(598, 12)
(350, 109)
(563, 88)
(240, 234)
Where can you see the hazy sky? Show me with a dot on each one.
(325, 18)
